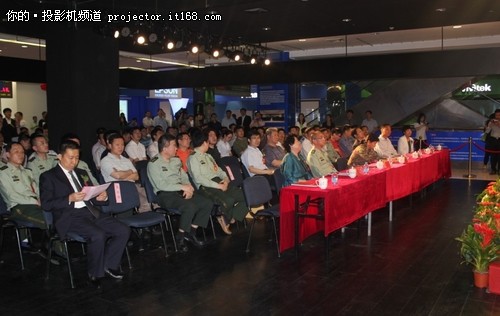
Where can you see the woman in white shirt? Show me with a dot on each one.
(224, 144)
(421, 128)
(301, 122)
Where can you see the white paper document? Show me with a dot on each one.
(93, 191)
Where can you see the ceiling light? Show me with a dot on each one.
(237, 57)
(457, 26)
(116, 34)
(138, 61)
(141, 40)
(170, 45)
(302, 40)
(267, 62)
(253, 60)
(24, 46)
(266, 28)
(440, 9)
(216, 53)
(346, 20)
(194, 49)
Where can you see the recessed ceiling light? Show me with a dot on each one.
(266, 28)
(24, 46)
(391, 28)
(346, 20)
(138, 61)
(302, 40)
(457, 26)
(441, 9)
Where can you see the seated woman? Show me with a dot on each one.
(364, 152)
(293, 168)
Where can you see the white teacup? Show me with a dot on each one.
(322, 183)
(352, 173)
(414, 155)
(401, 159)
(438, 147)
(380, 164)
(427, 151)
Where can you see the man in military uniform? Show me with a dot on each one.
(41, 160)
(174, 190)
(213, 183)
(20, 191)
(318, 159)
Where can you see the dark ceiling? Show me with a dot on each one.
(286, 19)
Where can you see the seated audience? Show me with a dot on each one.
(156, 133)
(41, 160)
(252, 157)
(365, 152)
(346, 141)
(99, 147)
(241, 142)
(174, 190)
(317, 159)
(115, 167)
(214, 184)
(184, 148)
(384, 146)
(135, 149)
(272, 152)
(223, 145)
(405, 142)
(293, 168)
(212, 144)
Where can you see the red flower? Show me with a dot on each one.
(486, 233)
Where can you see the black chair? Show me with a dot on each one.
(53, 236)
(8, 222)
(257, 192)
(130, 200)
(233, 168)
(155, 206)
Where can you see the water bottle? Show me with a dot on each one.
(335, 178)
(366, 169)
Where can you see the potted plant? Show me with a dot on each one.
(479, 249)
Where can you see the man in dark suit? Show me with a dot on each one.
(244, 120)
(60, 193)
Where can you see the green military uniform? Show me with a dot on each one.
(362, 154)
(20, 193)
(320, 163)
(167, 178)
(332, 154)
(204, 172)
(39, 165)
(84, 166)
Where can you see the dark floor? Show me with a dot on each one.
(408, 267)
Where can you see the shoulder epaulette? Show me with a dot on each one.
(32, 159)
(28, 168)
(4, 167)
(51, 154)
(313, 151)
(154, 159)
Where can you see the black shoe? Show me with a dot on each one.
(181, 245)
(194, 240)
(95, 282)
(115, 274)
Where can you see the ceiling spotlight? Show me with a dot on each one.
(141, 40)
(194, 49)
(346, 20)
(253, 60)
(125, 31)
(441, 9)
(266, 28)
(237, 56)
(216, 53)
(152, 37)
(116, 34)
(170, 45)
(457, 26)
(267, 61)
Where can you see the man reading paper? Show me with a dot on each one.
(61, 193)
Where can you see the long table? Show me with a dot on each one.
(352, 199)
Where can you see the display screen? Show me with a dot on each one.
(5, 89)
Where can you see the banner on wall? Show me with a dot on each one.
(6, 89)
(456, 141)
(166, 93)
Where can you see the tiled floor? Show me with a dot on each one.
(410, 266)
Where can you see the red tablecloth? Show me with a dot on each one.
(352, 199)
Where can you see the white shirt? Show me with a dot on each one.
(147, 121)
(136, 150)
(224, 148)
(160, 121)
(384, 147)
(227, 121)
(371, 124)
(306, 148)
(403, 145)
(153, 149)
(79, 204)
(420, 131)
(97, 151)
(253, 157)
(111, 162)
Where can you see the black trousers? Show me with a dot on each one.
(106, 240)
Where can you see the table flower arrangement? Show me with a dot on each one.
(480, 242)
